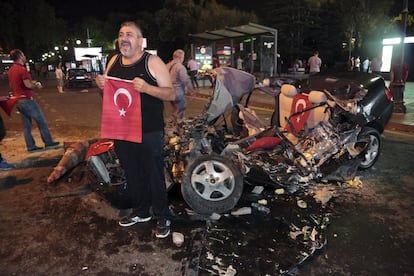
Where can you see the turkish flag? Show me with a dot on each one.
(300, 102)
(8, 102)
(121, 111)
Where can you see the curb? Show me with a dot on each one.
(399, 127)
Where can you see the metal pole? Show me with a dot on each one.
(398, 84)
(275, 68)
(88, 40)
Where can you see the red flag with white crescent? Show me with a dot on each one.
(121, 111)
(300, 102)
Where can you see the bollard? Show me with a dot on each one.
(397, 92)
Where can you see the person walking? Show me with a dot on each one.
(22, 85)
(314, 63)
(59, 77)
(193, 69)
(143, 161)
(181, 82)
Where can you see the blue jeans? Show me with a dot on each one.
(30, 110)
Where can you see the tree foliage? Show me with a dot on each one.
(179, 18)
(334, 27)
(30, 25)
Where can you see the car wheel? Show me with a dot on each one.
(372, 151)
(212, 184)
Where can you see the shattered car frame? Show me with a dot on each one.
(215, 168)
(335, 131)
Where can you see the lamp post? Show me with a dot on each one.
(398, 85)
(61, 50)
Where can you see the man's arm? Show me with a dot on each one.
(32, 84)
(164, 91)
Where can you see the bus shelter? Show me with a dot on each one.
(258, 42)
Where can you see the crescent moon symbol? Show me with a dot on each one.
(124, 92)
(300, 102)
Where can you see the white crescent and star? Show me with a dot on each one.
(122, 111)
(300, 103)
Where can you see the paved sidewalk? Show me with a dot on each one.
(404, 121)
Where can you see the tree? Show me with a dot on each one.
(8, 26)
(29, 33)
(363, 23)
(178, 18)
(294, 21)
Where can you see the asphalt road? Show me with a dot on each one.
(370, 230)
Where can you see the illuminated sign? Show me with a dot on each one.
(387, 50)
(88, 53)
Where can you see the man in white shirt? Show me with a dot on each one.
(314, 63)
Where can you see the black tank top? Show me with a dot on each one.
(152, 109)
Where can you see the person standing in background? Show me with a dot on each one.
(314, 63)
(365, 65)
(376, 64)
(216, 62)
(59, 77)
(239, 63)
(181, 82)
(193, 69)
(22, 85)
(357, 64)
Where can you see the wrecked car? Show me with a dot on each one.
(329, 127)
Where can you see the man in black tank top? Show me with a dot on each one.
(143, 162)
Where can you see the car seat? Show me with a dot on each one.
(319, 113)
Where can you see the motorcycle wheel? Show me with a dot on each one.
(372, 150)
(212, 184)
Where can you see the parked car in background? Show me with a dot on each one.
(78, 77)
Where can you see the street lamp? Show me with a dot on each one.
(61, 51)
(398, 85)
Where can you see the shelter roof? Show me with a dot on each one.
(248, 30)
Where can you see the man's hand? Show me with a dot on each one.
(140, 85)
(37, 84)
(100, 81)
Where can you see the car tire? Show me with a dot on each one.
(372, 151)
(212, 184)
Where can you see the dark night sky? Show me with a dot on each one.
(76, 9)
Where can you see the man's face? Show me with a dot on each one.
(130, 41)
(22, 57)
